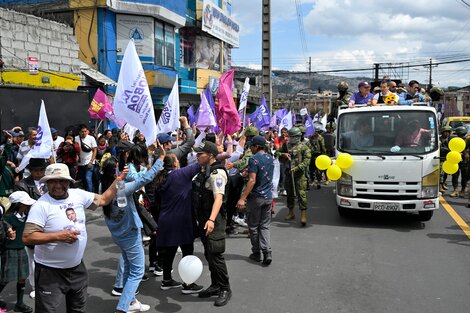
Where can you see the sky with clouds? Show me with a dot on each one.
(355, 34)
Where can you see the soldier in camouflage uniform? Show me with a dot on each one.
(241, 164)
(316, 144)
(297, 157)
(343, 99)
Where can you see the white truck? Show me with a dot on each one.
(395, 151)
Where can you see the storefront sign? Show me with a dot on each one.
(141, 28)
(219, 24)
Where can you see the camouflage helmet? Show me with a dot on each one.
(318, 128)
(302, 128)
(461, 131)
(331, 125)
(446, 129)
(437, 90)
(343, 86)
(294, 132)
(251, 131)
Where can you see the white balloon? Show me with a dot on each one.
(190, 269)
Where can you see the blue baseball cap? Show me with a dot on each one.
(164, 138)
(258, 141)
(53, 130)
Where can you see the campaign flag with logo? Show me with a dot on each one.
(260, 118)
(133, 102)
(286, 122)
(169, 119)
(226, 111)
(99, 106)
(278, 115)
(309, 127)
(205, 116)
(42, 148)
(244, 100)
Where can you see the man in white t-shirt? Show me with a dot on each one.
(57, 140)
(59, 249)
(86, 162)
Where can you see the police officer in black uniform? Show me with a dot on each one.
(209, 198)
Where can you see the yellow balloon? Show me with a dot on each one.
(334, 172)
(457, 144)
(450, 168)
(322, 162)
(453, 157)
(344, 161)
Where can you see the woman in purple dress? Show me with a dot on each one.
(176, 220)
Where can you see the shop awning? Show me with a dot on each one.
(96, 75)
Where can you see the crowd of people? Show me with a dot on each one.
(194, 183)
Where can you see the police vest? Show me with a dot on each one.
(203, 198)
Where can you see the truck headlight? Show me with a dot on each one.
(345, 185)
(430, 185)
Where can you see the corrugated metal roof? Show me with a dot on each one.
(96, 75)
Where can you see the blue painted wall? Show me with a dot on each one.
(177, 6)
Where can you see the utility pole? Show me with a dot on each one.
(430, 74)
(376, 72)
(266, 63)
(309, 80)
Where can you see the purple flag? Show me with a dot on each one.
(280, 115)
(192, 114)
(261, 115)
(211, 102)
(205, 116)
(309, 126)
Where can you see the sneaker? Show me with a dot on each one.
(21, 307)
(223, 298)
(191, 288)
(158, 271)
(255, 257)
(145, 277)
(170, 284)
(454, 194)
(138, 307)
(444, 186)
(32, 294)
(241, 222)
(152, 267)
(118, 292)
(267, 258)
(209, 292)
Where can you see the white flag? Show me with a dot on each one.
(286, 122)
(132, 102)
(42, 148)
(244, 95)
(169, 120)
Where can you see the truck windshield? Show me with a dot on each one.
(387, 133)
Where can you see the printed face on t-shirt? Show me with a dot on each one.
(71, 215)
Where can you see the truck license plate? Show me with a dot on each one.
(386, 206)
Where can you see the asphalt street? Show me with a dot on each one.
(369, 262)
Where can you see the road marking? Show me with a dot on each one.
(464, 226)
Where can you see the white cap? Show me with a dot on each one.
(21, 197)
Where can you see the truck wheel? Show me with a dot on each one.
(343, 212)
(425, 215)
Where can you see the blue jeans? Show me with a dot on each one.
(134, 266)
(119, 282)
(86, 175)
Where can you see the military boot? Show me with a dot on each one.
(290, 215)
(303, 217)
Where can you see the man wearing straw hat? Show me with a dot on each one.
(59, 250)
